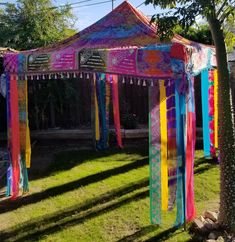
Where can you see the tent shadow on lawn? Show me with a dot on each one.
(76, 214)
(8, 205)
(92, 208)
(66, 160)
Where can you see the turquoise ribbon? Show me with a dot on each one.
(205, 111)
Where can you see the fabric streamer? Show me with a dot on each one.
(155, 155)
(97, 123)
(101, 97)
(212, 114)
(116, 112)
(14, 136)
(9, 169)
(190, 148)
(205, 111)
(216, 116)
(163, 129)
(171, 141)
(25, 150)
(180, 192)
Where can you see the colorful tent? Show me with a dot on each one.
(123, 46)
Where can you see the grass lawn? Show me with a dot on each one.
(90, 196)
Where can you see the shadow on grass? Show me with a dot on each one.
(65, 160)
(45, 225)
(143, 231)
(164, 235)
(8, 205)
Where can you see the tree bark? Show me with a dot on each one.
(226, 131)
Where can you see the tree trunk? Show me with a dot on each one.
(226, 132)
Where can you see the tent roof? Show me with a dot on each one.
(123, 27)
(124, 35)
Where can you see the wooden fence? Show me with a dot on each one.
(66, 104)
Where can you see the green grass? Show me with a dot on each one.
(89, 196)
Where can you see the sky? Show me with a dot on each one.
(90, 14)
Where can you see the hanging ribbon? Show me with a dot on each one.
(13, 130)
(116, 112)
(212, 113)
(216, 117)
(171, 141)
(25, 150)
(97, 123)
(205, 111)
(155, 155)
(180, 124)
(190, 148)
(9, 169)
(163, 130)
(102, 143)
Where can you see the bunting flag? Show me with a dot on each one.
(205, 111)
(155, 155)
(216, 116)
(14, 136)
(116, 113)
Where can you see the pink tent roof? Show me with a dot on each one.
(121, 33)
(123, 27)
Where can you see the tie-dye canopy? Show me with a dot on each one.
(123, 42)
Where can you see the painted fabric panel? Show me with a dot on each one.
(122, 61)
(64, 59)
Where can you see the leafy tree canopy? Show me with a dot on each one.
(183, 13)
(199, 33)
(34, 23)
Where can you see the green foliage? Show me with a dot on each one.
(199, 33)
(34, 23)
(183, 13)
